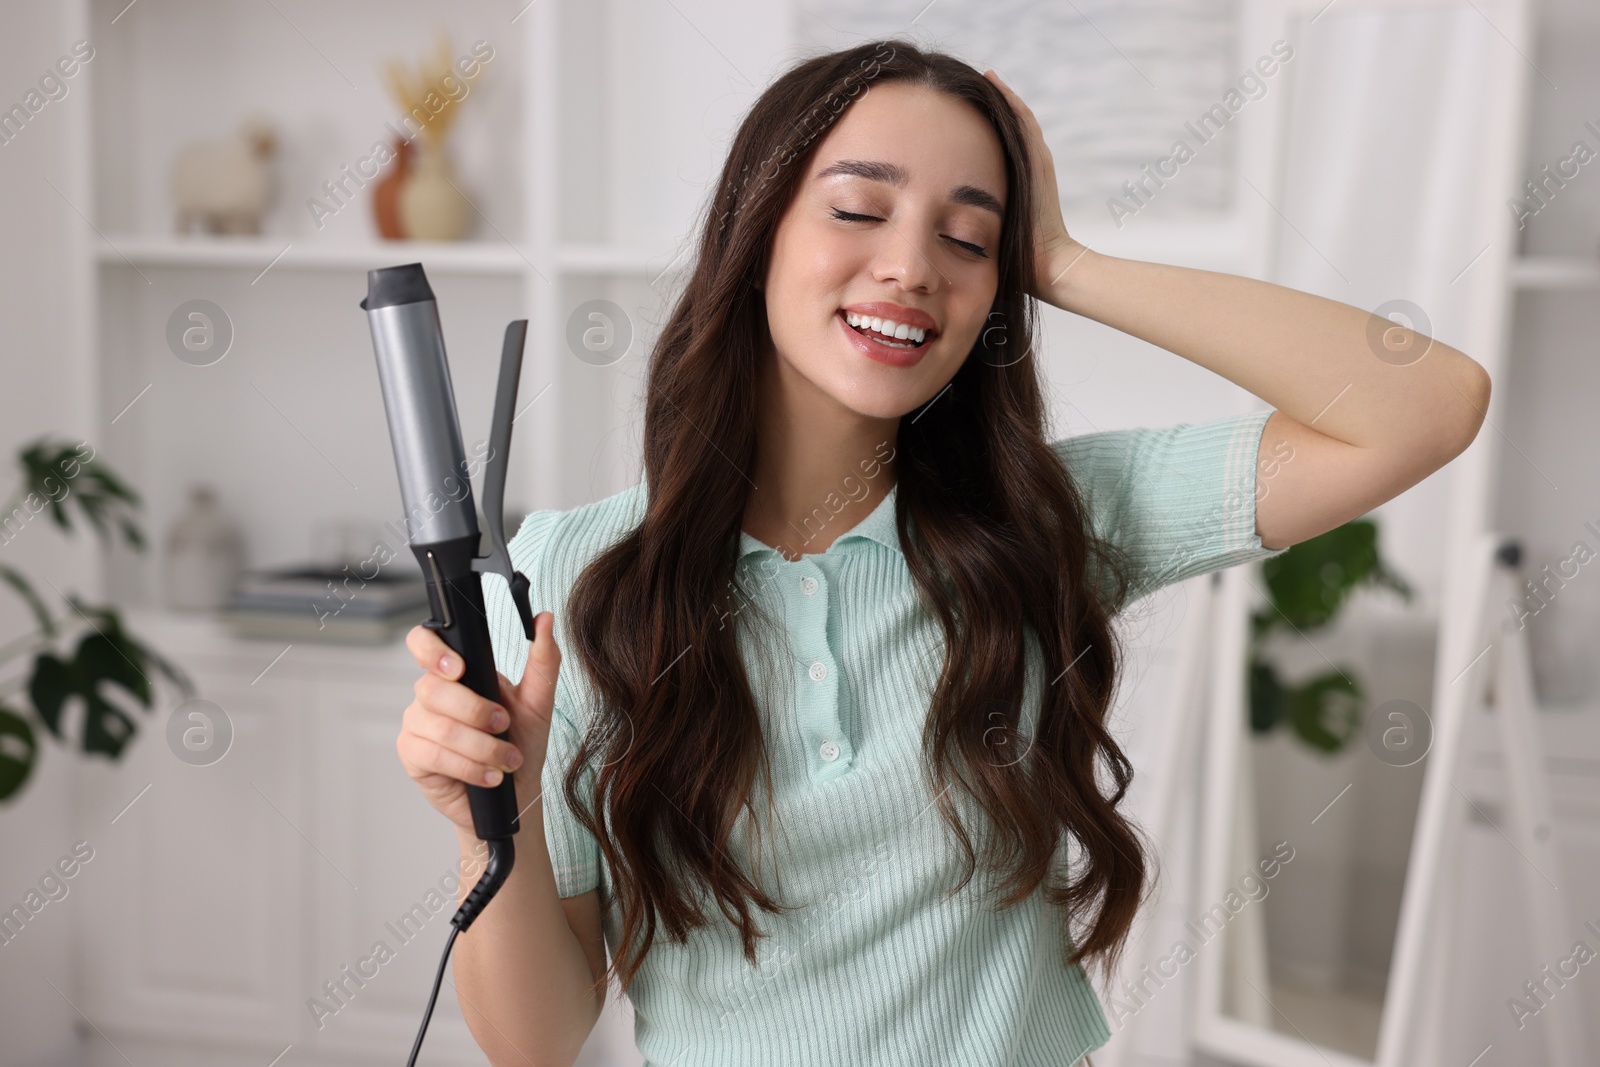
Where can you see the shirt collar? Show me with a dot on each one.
(878, 526)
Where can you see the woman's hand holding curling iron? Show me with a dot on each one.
(447, 737)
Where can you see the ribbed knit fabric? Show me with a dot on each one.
(880, 966)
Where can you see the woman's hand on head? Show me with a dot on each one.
(1054, 249)
(447, 736)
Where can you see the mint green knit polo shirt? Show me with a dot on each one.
(879, 965)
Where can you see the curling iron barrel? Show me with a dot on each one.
(421, 405)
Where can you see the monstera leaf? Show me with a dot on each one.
(1308, 586)
(1324, 712)
(62, 475)
(105, 659)
(107, 670)
(17, 751)
(1310, 583)
(1268, 699)
(24, 588)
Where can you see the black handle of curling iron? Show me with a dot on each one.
(455, 594)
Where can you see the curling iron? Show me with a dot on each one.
(443, 526)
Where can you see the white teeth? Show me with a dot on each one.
(888, 327)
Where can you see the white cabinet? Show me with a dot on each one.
(225, 898)
(379, 912)
(191, 900)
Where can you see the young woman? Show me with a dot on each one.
(845, 654)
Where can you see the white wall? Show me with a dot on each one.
(43, 389)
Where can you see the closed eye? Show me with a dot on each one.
(851, 216)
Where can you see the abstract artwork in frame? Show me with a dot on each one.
(1114, 83)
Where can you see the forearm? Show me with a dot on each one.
(521, 975)
(1321, 362)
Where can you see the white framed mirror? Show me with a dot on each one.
(1322, 877)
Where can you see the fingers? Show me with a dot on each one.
(538, 684)
(449, 729)
(459, 727)
(1010, 93)
(484, 750)
(460, 703)
(432, 654)
(1020, 106)
(423, 755)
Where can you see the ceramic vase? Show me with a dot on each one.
(386, 194)
(431, 206)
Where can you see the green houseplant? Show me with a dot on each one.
(81, 654)
(1307, 587)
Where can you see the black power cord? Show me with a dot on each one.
(501, 856)
(428, 1014)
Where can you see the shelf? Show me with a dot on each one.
(461, 257)
(257, 253)
(619, 259)
(203, 636)
(1555, 272)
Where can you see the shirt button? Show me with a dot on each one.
(819, 671)
(829, 751)
(808, 585)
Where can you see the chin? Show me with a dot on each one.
(881, 411)
(869, 389)
(878, 403)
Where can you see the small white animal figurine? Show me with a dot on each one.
(223, 186)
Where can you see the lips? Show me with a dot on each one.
(883, 309)
(893, 355)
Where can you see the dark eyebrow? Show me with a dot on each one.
(894, 174)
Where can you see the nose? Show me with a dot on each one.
(905, 256)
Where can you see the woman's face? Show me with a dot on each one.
(898, 219)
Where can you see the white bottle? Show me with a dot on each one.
(204, 555)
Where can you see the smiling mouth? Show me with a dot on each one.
(862, 325)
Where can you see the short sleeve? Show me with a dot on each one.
(1179, 500)
(573, 852)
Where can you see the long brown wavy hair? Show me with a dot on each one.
(994, 533)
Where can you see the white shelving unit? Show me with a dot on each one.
(458, 257)
(291, 293)
(570, 157)
(1546, 480)
(465, 257)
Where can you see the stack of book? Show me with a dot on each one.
(321, 603)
